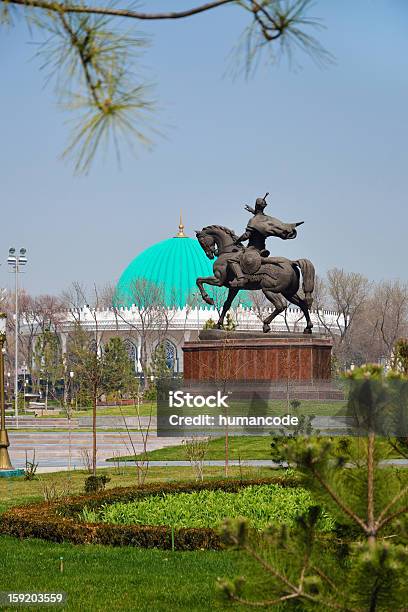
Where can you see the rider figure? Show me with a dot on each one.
(258, 229)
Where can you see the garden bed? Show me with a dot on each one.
(260, 504)
(60, 521)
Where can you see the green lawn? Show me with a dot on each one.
(145, 409)
(240, 447)
(16, 491)
(106, 578)
(307, 407)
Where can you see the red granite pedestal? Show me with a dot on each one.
(248, 356)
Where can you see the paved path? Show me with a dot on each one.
(102, 422)
(56, 450)
(52, 449)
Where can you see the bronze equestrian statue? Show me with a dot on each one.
(251, 267)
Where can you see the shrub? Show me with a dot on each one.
(94, 484)
(53, 489)
(229, 324)
(150, 394)
(31, 467)
(195, 450)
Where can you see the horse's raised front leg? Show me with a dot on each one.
(232, 292)
(208, 280)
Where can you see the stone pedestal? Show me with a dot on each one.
(248, 356)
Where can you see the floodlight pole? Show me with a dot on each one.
(5, 463)
(16, 346)
(15, 261)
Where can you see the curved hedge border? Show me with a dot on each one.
(56, 521)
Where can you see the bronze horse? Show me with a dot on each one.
(276, 280)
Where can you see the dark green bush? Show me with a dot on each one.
(94, 484)
(150, 394)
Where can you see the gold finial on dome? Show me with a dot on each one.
(181, 233)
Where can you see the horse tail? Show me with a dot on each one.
(308, 279)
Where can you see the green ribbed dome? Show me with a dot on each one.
(172, 264)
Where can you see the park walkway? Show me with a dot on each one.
(56, 447)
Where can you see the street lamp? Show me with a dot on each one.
(6, 469)
(69, 408)
(16, 261)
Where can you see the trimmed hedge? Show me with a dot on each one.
(58, 521)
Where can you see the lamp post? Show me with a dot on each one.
(5, 463)
(71, 386)
(16, 261)
(69, 408)
(6, 469)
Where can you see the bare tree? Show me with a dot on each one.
(389, 306)
(148, 318)
(48, 312)
(378, 324)
(37, 315)
(107, 301)
(74, 299)
(28, 320)
(347, 294)
(86, 355)
(364, 344)
(141, 459)
(44, 318)
(322, 302)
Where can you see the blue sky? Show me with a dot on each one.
(329, 145)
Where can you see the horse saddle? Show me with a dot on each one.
(250, 261)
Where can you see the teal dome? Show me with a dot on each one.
(172, 264)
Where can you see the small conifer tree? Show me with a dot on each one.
(363, 564)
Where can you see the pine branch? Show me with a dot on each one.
(269, 568)
(60, 7)
(297, 592)
(396, 499)
(370, 487)
(84, 61)
(263, 603)
(391, 517)
(397, 449)
(324, 577)
(83, 50)
(340, 502)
